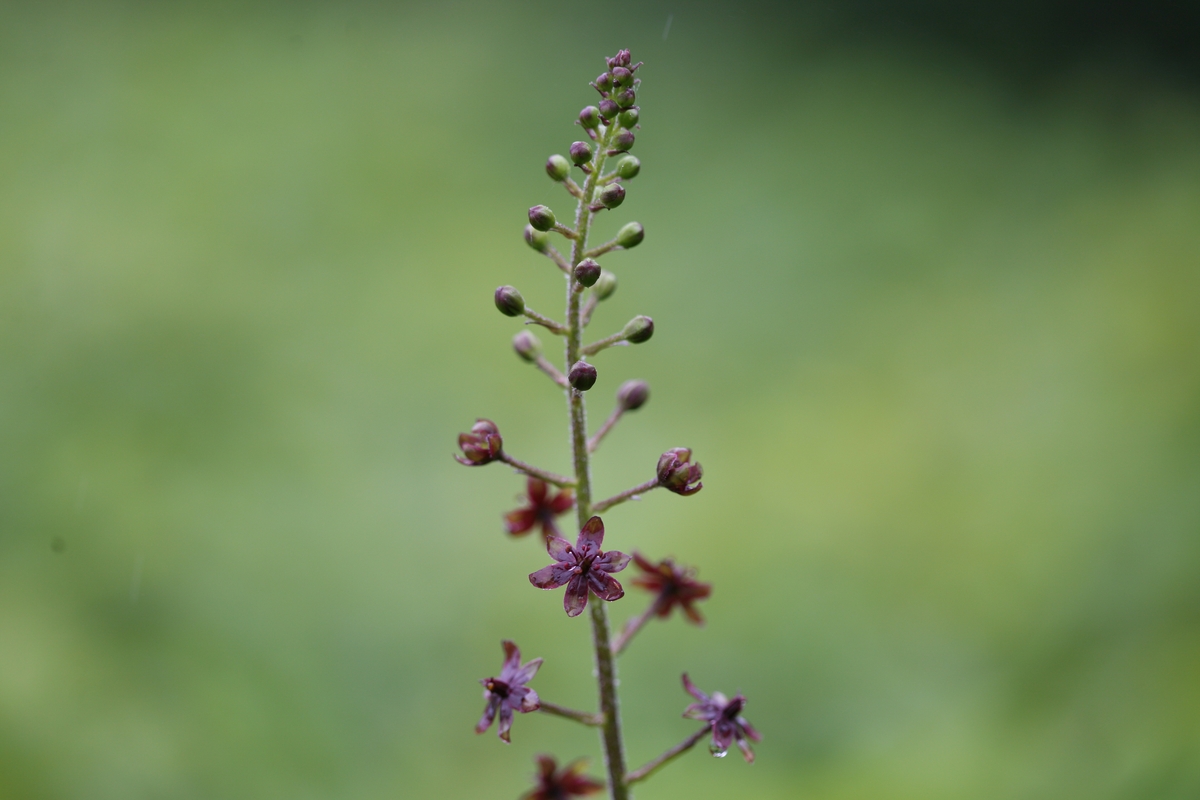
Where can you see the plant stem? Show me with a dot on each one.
(551, 370)
(529, 469)
(608, 425)
(545, 322)
(628, 494)
(608, 341)
(606, 669)
(633, 626)
(594, 720)
(644, 772)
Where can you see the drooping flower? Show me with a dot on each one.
(540, 509)
(481, 446)
(674, 584)
(582, 568)
(508, 692)
(561, 784)
(725, 717)
(677, 473)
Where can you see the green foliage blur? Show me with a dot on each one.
(933, 332)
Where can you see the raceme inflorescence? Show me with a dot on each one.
(580, 566)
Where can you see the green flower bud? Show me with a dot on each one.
(509, 301)
(628, 118)
(638, 330)
(605, 286)
(622, 76)
(581, 153)
(582, 376)
(612, 195)
(629, 167)
(541, 218)
(558, 168)
(623, 141)
(588, 272)
(536, 239)
(589, 118)
(527, 346)
(631, 235)
(626, 99)
(609, 109)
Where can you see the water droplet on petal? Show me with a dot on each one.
(718, 752)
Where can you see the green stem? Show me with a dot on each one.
(628, 494)
(606, 668)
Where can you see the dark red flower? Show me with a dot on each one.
(675, 585)
(482, 445)
(725, 716)
(582, 568)
(677, 472)
(562, 784)
(541, 509)
(508, 692)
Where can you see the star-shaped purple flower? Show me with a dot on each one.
(583, 568)
(508, 692)
(725, 717)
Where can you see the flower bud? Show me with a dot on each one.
(527, 346)
(582, 376)
(558, 168)
(633, 395)
(677, 474)
(629, 167)
(587, 272)
(628, 118)
(605, 286)
(638, 330)
(609, 109)
(622, 58)
(541, 218)
(536, 239)
(631, 235)
(612, 195)
(622, 76)
(581, 153)
(481, 446)
(589, 118)
(604, 81)
(509, 301)
(626, 99)
(623, 141)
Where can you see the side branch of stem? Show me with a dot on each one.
(529, 469)
(628, 494)
(594, 720)
(641, 773)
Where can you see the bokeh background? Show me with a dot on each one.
(926, 280)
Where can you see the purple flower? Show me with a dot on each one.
(481, 446)
(725, 716)
(582, 568)
(561, 784)
(508, 693)
(675, 585)
(677, 473)
(541, 508)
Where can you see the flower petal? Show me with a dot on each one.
(576, 597)
(512, 660)
(535, 489)
(559, 549)
(520, 521)
(691, 612)
(644, 563)
(592, 534)
(612, 561)
(691, 689)
(525, 674)
(562, 501)
(506, 718)
(605, 586)
(530, 702)
(723, 732)
(747, 753)
(553, 576)
(489, 714)
(749, 729)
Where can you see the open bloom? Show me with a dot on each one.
(562, 784)
(725, 717)
(583, 568)
(677, 473)
(508, 692)
(675, 585)
(481, 446)
(541, 509)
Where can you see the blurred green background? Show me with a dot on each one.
(926, 282)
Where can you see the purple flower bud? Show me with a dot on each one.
(609, 109)
(581, 153)
(587, 272)
(527, 346)
(638, 330)
(622, 76)
(612, 195)
(482, 445)
(536, 239)
(605, 287)
(628, 118)
(633, 395)
(582, 376)
(631, 234)
(626, 99)
(509, 301)
(629, 167)
(623, 141)
(558, 168)
(541, 218)
(622, 58)
(589, 118)
(677, 474)
(604, 81)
